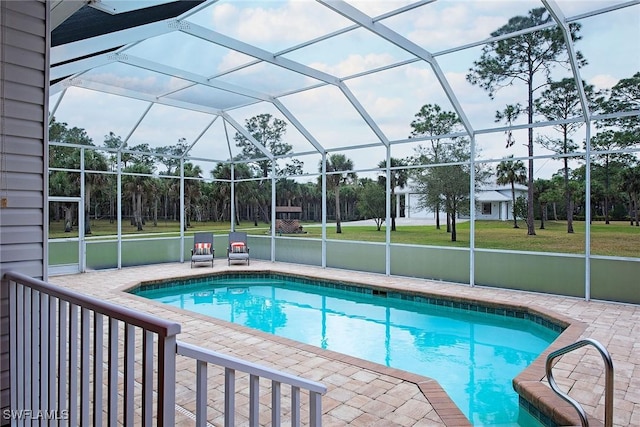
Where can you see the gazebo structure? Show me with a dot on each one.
(285, 224)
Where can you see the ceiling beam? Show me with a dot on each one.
(80, 66)
(560, 19)
(86, 47)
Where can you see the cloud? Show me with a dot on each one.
(355, 63)
(376, 8)
(286, 23)
(603, 81)
(233, 59)
(436, 27)
(146, 84)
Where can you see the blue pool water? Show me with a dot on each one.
(473, 355)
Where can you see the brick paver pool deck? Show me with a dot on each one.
(362, 393)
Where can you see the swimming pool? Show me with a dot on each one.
(473, 351)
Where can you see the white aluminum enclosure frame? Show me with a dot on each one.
(72, 62)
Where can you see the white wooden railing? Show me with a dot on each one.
(203, 357)
(73, 361)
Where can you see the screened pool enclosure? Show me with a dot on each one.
(178, 116)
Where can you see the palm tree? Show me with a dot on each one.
(511, 172)
(338, 167)
(135, 184)
(399, 178)
(93, 161)
(288, 190)
(191, 189)
(156, 189)
(310, 201)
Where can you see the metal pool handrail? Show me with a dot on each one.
(606, 357)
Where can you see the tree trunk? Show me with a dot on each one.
(393, 211)
(133, 209)
(448, 222)
(139, 211)
(606, 190)
(454, 233)
(187, 212)
(337, 196)
(155, 212)
(67, 219)
(567, 196)
(254, 214)
(111, 208)
(530, 224)
(87, 205)
(513, 200)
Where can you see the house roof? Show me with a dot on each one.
(491, 196)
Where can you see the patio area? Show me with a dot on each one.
(362, 393)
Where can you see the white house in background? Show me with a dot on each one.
(493, 202)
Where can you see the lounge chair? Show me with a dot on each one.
(203, 250)
(238, 250)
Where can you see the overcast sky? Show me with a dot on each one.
(610, 42)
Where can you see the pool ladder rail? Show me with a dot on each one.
(608, 399)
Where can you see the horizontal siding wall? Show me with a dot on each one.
(24, 88)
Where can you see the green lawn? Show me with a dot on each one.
(105, 228)
(616, 238)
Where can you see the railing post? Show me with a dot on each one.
(315, 409)
(295, 406)
(112, 373)
(229, 397)
(201, 393)
(254, 400)
(129, 375)
(166, 381)
(98, 357)
(13, 342)
(147, 378)
(275, 403)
